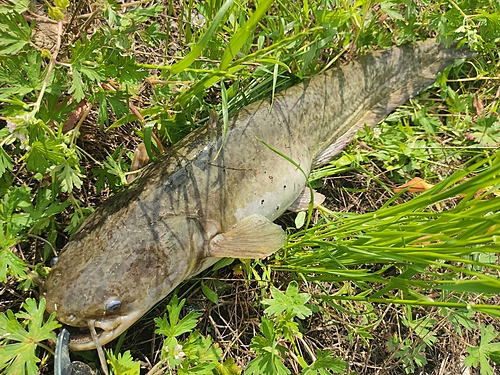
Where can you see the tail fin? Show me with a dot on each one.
(412, 69)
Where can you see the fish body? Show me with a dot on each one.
(216, 195)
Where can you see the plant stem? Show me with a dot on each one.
(52, 63)
(468, 306)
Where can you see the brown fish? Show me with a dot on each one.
(191, 208)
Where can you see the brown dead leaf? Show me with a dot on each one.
(478, 105)
(415, 185)
(140, 160)
(81, 110)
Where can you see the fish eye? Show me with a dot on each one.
(53, 261)
(113, 306)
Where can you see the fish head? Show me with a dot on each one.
(111, 288)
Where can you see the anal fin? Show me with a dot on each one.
(253, 237)
(371, 117)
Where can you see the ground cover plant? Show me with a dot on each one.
(382, 279)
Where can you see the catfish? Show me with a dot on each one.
(217, 191)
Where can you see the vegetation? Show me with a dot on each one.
(374, 282)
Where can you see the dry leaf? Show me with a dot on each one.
(478, 105)
(140, 160)
(74, 117)
(415, 185)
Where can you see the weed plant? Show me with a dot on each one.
(75, 78)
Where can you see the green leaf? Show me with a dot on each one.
(45, 209)
(13, 211)
(172, 326)
(199, 349)
(102, 116)
(46, 206)
(55, 13)
(123, 364)
(325, 363)
(269, 362)
(198, 48)
(430, 124)
(77, 219)
(122, 67)
(270, 352)
(42, 155)
(113, 171)
(18, 6)
(387, 8)
(37, 158)
(118, 103)
(18, 349)
(92, 73)
(229, 367)
(17, 197)
(9, 263)
(244, 34)
(486, 132)
(77, 85)
(85, 49)
(266, 365)
(68, 177)
(222, 263)
(291, 301)
(148, 137)
(61, 3)
(20, 75)
(480, 355)
(5, 162)
(486, 284)
(209, 293)
(267, 328)
(300, 219)
(15, 33)
(140, 15)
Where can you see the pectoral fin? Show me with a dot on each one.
(253, 237)
(304, 199)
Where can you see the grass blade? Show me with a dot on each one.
(198, 48)
(244, 34)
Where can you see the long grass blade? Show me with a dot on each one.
(198, 48)
(244, 34)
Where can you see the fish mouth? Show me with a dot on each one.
(81, 339)
(106, 330)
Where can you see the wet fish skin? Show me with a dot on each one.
(190, 208)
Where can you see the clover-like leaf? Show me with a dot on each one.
(291, 301)
(19, 341)
(123, 364)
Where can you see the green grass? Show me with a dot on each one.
(436, 250)
(414, 237)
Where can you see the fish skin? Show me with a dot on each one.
(165, 227)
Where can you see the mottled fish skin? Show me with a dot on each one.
(144, 241)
